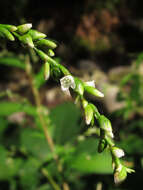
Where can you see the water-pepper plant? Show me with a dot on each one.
(33, 40)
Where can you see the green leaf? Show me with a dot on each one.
(86, 159)
(29, 175)
(34, 143)
(45, 187)
(65, 119)
(3, 126)
(8, 108)
(12, 61)
(9, 167)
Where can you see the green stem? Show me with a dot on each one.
(46, 173)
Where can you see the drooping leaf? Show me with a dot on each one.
(12, 61)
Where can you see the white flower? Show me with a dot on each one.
(90, 83)
(67, 82)
(118, 152)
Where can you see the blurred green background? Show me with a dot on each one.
(99, 40)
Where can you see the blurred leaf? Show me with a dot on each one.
(132, 144)
(34, 143)
(126, 78)
(12, 61)
(9, 167)
(39, 78)
(45, 187)
(65, 119)
(3, 126)
(29, 175)
(8, 108)
(86, 159)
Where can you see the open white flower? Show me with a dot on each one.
(67, 82)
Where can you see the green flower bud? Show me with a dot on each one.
(64, 70)
(105, 124)
(11, 28)
(36, 35)
(102, 145)
(56, 73)
(6, 34)
(109, 140)
(41, 54)
(45, 43)
(45, 57)
(93, 91)
(22, 29)
(46, 70)
(84, 103)
(79, 86)
(26, 40)
(88, 114)
(51, 53)
(96, 113)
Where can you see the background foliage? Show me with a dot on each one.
(100, 40)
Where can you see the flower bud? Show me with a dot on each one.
(6, 34)
(96, 113)
(46, 70)
(41, 54)
(118, 152)
(11, 28)
(104, 123)
(51, 53)
(88, 114)
(64, 70)
(22, 29)
(46, 43)
(102, 145)
(84, 103)
(110, 134)
(56, 73)
(93, 91)
(27, 40)
(36, 35)
(79, 86)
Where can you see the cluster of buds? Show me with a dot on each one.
(44, 49)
